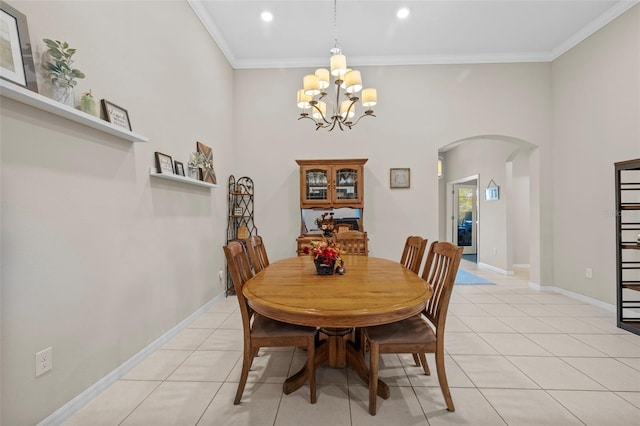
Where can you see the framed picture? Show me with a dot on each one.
(179, 168)
(208, 173)
(16, 58)
(116, 115)
(399, 178)
(164, 163)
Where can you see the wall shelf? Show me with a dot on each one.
(26, 96)
(182, 179)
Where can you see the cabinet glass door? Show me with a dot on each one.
(316, 181)
(346, 181)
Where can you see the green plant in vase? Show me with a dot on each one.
(60, 70)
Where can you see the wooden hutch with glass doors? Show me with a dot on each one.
(335, 187)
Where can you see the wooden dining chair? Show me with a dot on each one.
(260, 331)
(413, 253)
(353, 242)
(258, 253)
(420, 333)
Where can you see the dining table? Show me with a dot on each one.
(372, 291)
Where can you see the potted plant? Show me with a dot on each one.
(60, 70)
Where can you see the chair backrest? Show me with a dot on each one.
(240, 272)
(258, 253)
(353, 242)
(413, 253)
(440, 272)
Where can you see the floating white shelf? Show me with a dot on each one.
(179, 178)
(26, 96)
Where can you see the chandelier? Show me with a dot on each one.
(348, 85)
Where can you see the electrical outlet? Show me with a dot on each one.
(44, 361)
(588, 273)
(220, 274)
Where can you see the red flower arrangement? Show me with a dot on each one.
(323, 250)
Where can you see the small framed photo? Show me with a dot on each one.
(179, 168)
(164, 163)
(400, 178)
(16, 61)
(116, 115)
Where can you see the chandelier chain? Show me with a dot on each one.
(335, 23)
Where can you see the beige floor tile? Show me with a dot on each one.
(210, 320)
(632, 397)
(188, 339)
(529, 325)
(258, 406)
(486, 324)
(513, 344)
(584, 310)
(174, 403)
(158, 366)
(331, 408)
(467, 343)
(114, 404)
(391, 369)
(519, 407)
(553, 373)
(612, 345)
(554, 299)
(631, 362)
(571, 325)
(454, 325)
(455, 376)
(539, 310)
(402, 408)
(564, 345)
(486, 299)
(609, 372)
(472, 409)
(324, 374)
(516, 299)
(268, 367)
(502, 309)
(228, 304)
(467, 309)
(608, 325)
(234, 321)
(206, 366)
(493, 371)
(598, 408)
(224, 339)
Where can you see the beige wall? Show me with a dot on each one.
(99, 260)
(596, 115)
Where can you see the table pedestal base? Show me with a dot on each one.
(337, 352)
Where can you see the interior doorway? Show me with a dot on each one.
(463, 228)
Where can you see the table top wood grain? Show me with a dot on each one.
(372, 291)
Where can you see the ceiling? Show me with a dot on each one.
(435, 32)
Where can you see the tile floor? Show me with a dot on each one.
(515, 356)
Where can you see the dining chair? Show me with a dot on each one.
(413, 253)
(258, 253)
(260, 331)
(419, 333)
(353, 242)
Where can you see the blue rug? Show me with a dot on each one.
(467, 278)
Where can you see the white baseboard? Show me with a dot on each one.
(494, 269)
(66, 411)
(552, 289)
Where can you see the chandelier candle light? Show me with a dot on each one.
(347, 80)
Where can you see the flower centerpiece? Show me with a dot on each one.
(197, 160)
(326, 255)
(326, 224)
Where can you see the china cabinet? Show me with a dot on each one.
(331, 183)
(627, 181)
(328, 185)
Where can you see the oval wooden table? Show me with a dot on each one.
(373, 291)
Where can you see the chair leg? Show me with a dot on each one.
(247, 360)
(311, 368)
(425, 366)
(374, 356)
(442, 378)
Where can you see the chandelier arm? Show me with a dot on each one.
(367, 114)
(321, 114)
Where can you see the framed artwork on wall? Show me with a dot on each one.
(164, 163)
(179, 168)
(400, 178)
(208, 173)
(116, 115)
(16, 58)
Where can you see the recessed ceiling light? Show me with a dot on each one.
(266, 16)
(403, 12)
